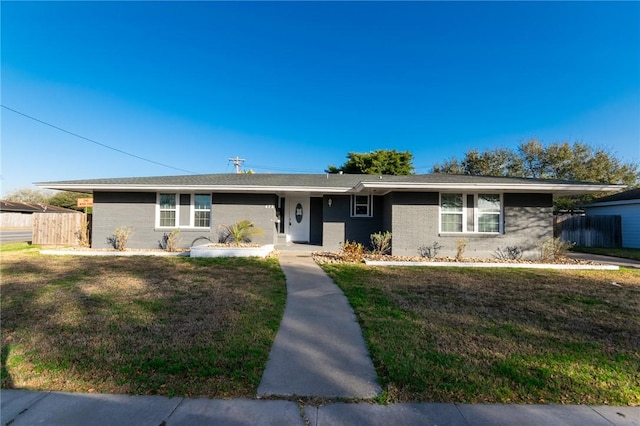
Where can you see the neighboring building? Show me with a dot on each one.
(626, 205)
(19, 215)
(329, 209)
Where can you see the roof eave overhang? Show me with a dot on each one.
(612, 203)
(549, 188)
(251, 189)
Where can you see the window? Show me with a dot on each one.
(480, 213)
(489, 213)
(451, 212)
(202, 210)
(168, 210)
(183, 211)
(361, 206)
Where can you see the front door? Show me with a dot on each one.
(298, 219)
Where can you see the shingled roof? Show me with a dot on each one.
(325, 183)
(632, 194)
(15, 207)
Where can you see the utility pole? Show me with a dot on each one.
(237, 162)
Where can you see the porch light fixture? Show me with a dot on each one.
(330, 201)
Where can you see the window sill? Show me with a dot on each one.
(180, 228)
(470, 234)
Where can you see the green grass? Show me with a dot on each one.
(626, 253)
(495, 335)
(140, 325)
(17, 246)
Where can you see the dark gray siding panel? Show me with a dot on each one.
(185, 209)
(138, 211)
(315, 219)
(339, 226)
(387, 209)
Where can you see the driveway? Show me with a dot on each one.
(7, 235)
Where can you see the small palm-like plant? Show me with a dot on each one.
(239, 232)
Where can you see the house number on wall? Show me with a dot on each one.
(299, 213)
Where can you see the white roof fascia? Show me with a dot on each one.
(192, 188)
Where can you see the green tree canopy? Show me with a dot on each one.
(378, 162)
(532, 159)
(28, 195)
(64, 199)
(67, 199)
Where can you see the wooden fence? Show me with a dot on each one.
(16, 220)
(61, 229)
(589, 231)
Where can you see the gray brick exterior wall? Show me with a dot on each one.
(138, 210)
(527, 222)
(412, 218)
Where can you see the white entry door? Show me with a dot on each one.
(298, 219)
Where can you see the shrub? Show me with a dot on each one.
(239, 232)
(120, 237)
(509, 253)
(554, 248)
(381, 242)
(350, 251)
(461, 246)
(84, 237)
(429, 251)
(171, 241)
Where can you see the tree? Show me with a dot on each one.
(67, 199)
(379, 162)
(563, 161)
(28, 195)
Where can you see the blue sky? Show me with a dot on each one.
(293, 87)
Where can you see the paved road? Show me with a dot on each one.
(15, 235)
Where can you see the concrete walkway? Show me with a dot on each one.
(20, 408)
(319, 350)
(609, 260)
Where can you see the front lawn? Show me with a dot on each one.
(498, 335)
(138, 325)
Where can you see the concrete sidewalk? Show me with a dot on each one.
(608, 260)
(319, 350)
(19, 407)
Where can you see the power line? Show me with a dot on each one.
(282, 169)
(96, 142)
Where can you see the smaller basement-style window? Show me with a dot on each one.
(361, 206)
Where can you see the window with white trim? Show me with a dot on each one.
(361, 205)
(202, 210)
(451, 212)
(489, 208)
(183, 210)
(456, 211)
(168, 210)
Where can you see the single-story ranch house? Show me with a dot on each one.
(329, 209)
